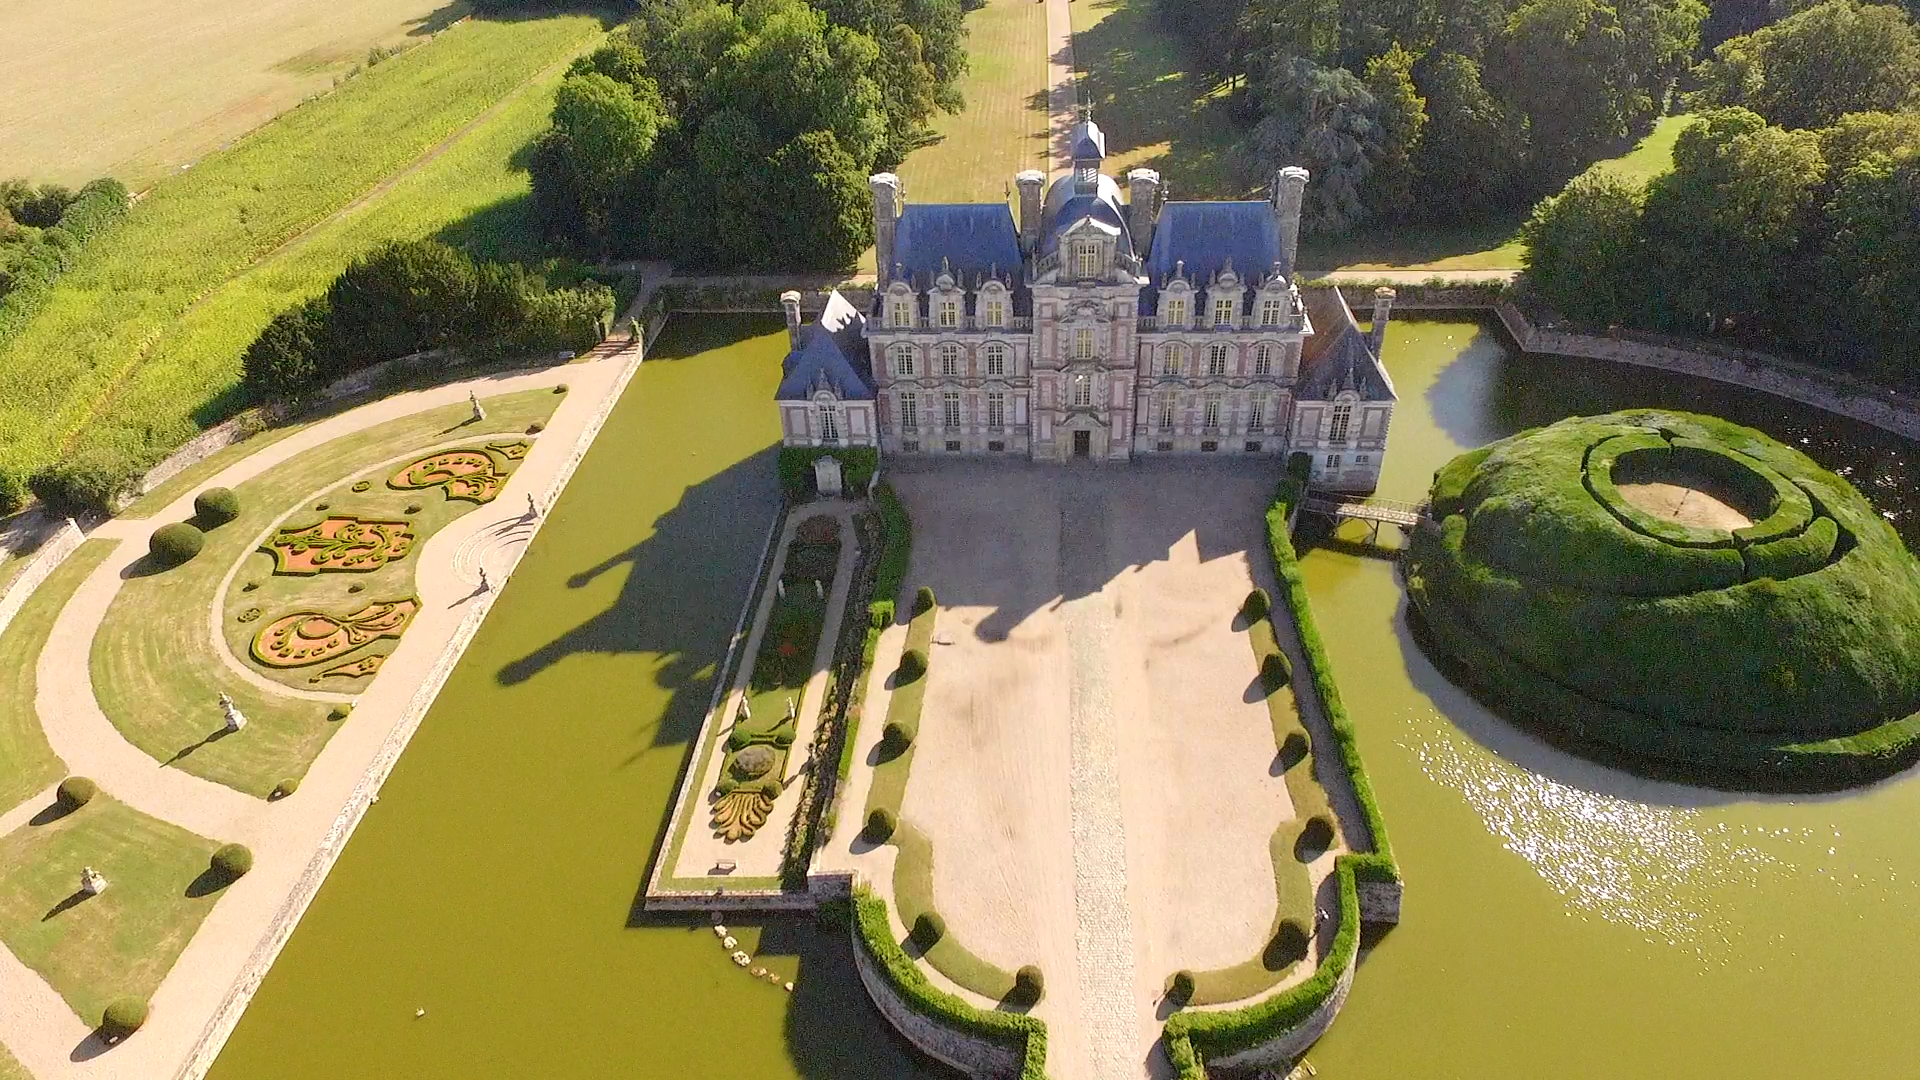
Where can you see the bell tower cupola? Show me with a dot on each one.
(1089, 148)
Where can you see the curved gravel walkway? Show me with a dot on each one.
(294, 840)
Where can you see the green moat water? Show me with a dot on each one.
(1561, 921)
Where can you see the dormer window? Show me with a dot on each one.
(996, 312)
(1342, 422)
(902, 314)
(949, 314)
(1272, 311)
(1223, 311)
(1086, 260)
(1176, 310)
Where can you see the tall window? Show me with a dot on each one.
(829, 422)
(1082, 390)
(1257, 414)
(909, 412)
(1271, 311)
(996, 359)
(996, 312)
(902, 314)
(950, 359)
(1086, 260)
(1176, 360)
(1342, 420)
(1166, 413)
(1176, 310)
(1223, 311)
(996, 410)
(950, 409)
(1083, 343)
(949, 313)
(1211, 419)
(1217, 360)
(903, 360)
(1263, 359)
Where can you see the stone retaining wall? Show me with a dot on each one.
(971, 1054)
(1281, 1052)
(41, 563)
(1379, 902)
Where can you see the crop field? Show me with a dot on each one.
(123, 340)
(136, 88)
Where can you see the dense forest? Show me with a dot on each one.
(1792, 214)
(742, 137)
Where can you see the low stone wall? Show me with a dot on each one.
(201, 447)
(1281, 1052)
(39, 564)
(971, 1054)
(1379, 902)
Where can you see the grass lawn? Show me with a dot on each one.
(913, 897)
(890, 775)
(184, 76)
(11, 1069)
(120, 308)
(27, 764)
(154, 669)
(123, 941)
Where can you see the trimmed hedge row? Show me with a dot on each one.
(873, 931)
(896, 547)
(857, 466)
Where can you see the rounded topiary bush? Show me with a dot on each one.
(1180, 987)
(752, 763)
(122, 1017)
(215, 507)
(738, 737)
(880, 825)
(171, 545)
(1289, 945)
(1316, 836)
(1257, 605)
(1276, 671)
(913, 664)
(1294, 748)
(929, 928)
(340, 712)
(285, 788)
(771, 786)
(923, 599)
(232, 861)
(896, 736)
(1029, 984)
(1676, 595)
(76, 791)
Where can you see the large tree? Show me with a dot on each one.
(1806, 70)
(1402, 116)
(602, 133)
(1324, 119)
(1472, 144)
(1584, 250)
(1870, 268)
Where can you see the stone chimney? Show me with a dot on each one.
(1289, 191)
(887, 197)
(790, 300)
(1031, 183)
(1382, 308)
(1143, 192)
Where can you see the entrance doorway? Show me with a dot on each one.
(1082, 444)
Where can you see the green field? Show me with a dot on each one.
(154, 669)
(1003, 129)
(139, 340)
(123, 941)
(27, 764)
(11, 1069)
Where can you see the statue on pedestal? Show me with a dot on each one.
(92, 882)
(479, 413)
(234, 717)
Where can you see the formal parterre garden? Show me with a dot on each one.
(317, 566)
(754, 771)
(1679, 596)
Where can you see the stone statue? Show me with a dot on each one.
(473, 399)
(792, 710)
(92, 882)
(819, 591)
(234, 717)
(827, 477)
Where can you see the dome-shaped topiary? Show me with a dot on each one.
(913, 664)
(923, 599)
(171, 545)
(739, 737)
(1029, 984)
(1276, 671)
(76, 791)
(285, 788)
(771, 786)
(1257, 605)
(752, 763)
(896, 736)
(1294, 748)
(215, 507)
(232, 861)
(929, 928)
(880, 825)
(123, 1017)
(1180, 987)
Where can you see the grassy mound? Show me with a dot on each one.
(1678, 595)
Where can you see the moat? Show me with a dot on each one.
(1561, 919)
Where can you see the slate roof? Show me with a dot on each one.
(1088, 141)
(1338, 356)
(1066, 206)
(1206, 236)
(968, 239)
(834, 349)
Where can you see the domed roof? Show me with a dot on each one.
(1067, 206)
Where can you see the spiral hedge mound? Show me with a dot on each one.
(1779, 654)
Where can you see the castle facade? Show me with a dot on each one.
(1093, 329)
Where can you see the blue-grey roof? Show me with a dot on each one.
(967, 239)
(1205, 235)
(1066, 206)
(1088, 141)
(1338, 356)
(832, 351)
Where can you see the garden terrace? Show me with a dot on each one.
(156, 662)
(1794, 599)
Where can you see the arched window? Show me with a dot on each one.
(902, 360)
(996, 359)
(1217, 359)
(1176, 362)
(949, 359)
(1263, 358)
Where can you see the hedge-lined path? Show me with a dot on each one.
(760, 855)
(294, 840)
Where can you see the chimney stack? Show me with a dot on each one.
(1030, 183)
(1143, 193)
(1289, 192)
(887, 196)
(790, 300)
(1382, 308)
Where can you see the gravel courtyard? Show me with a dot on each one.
(1093, 765)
